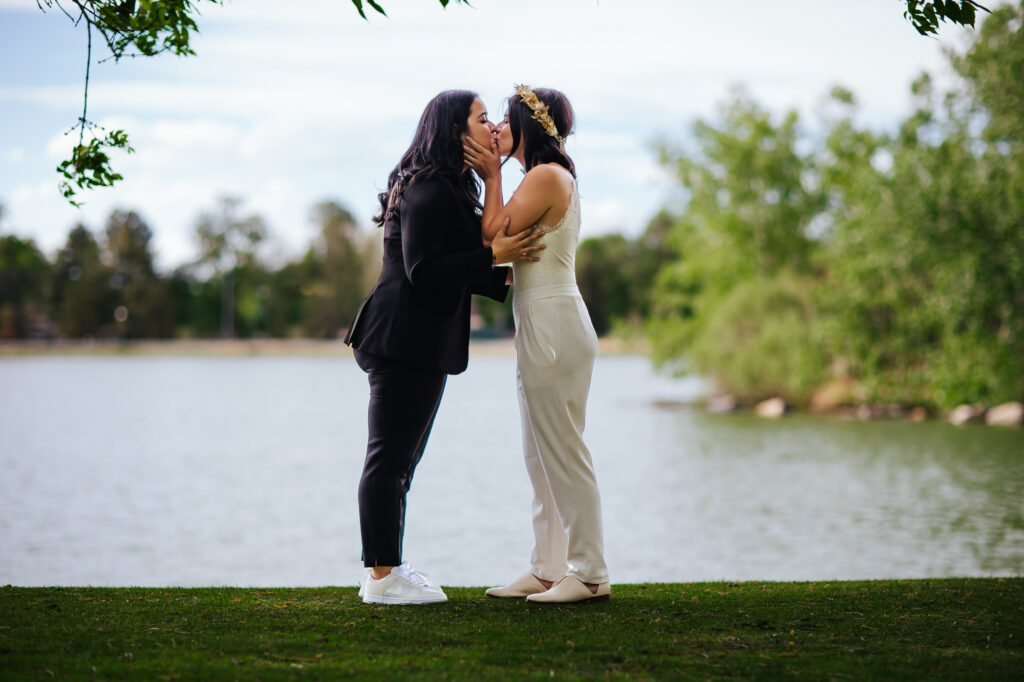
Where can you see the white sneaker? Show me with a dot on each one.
(402, 586)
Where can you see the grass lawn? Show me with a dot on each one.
(872, 630)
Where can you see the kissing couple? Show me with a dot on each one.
(442, 244)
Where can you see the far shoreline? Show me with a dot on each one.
(500, 347)
(503, 347)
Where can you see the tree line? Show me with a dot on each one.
(106, 285)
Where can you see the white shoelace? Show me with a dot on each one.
(418, 577)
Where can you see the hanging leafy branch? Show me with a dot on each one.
(130, 28)
(925, 15)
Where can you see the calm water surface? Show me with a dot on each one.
(243, 471)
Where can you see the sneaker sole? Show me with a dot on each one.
(592, 600)
(374, 599)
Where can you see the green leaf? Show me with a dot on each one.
(967, 15)
(372, 3)
(949, 10)
(89, 165)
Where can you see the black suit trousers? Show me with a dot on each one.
(403, 402)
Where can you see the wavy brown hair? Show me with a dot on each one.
(435, 152)
(538, 146)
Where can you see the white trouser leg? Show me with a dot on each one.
(551, 544)
(556, 347)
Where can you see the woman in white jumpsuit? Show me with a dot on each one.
(555, 349)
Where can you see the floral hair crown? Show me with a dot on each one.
(539, 109)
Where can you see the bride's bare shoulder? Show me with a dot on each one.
(551, 173)
(550, 170)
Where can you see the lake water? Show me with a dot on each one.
(152, 471)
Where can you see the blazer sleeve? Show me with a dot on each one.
(429, 217)
(492, 284)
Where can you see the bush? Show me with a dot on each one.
(762, 342)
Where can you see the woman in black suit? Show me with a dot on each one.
(413, 328)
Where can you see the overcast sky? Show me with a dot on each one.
(291, 103)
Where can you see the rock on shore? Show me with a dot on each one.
(773, 408)
(1007, 414)
(966, 414)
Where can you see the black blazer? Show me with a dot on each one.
(434, 259)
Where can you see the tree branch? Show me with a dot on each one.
(85, 96)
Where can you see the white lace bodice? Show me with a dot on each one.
(557, 264)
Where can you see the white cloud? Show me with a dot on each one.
(604, 214)
(55, 97)
(36, 191)
(19, 5)
(59, 146)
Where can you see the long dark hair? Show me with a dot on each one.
(436, 151)
(538, 146)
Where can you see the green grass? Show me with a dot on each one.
(905, 629)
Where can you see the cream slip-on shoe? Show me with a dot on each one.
(523, 586)
(570, 590)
